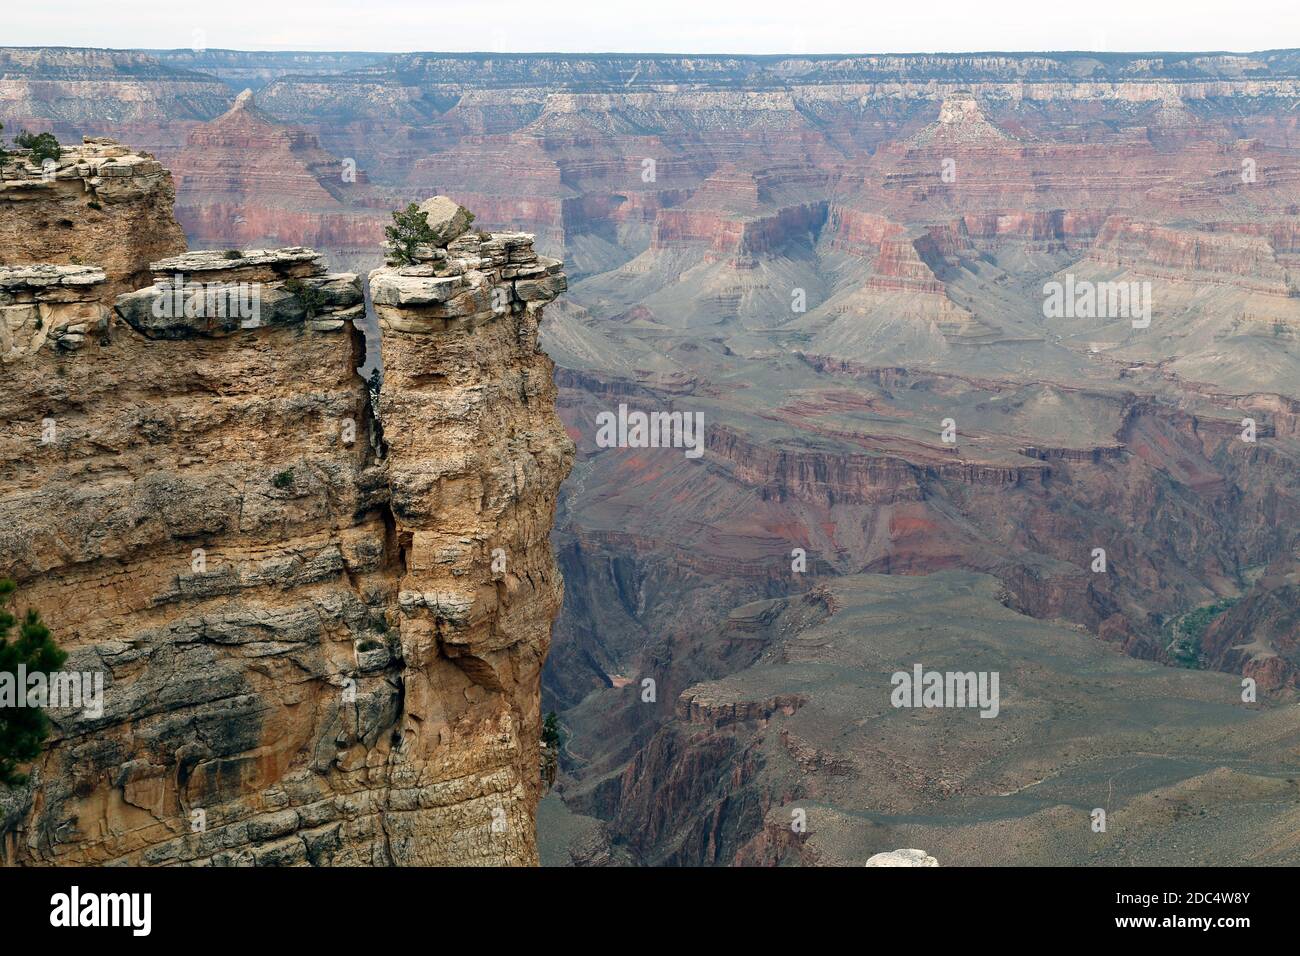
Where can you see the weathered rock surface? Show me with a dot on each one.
(49, 305)
(447, 219)
(215, 293)
(321, 637)
(99, 204)
(475, 458)
(902, 858)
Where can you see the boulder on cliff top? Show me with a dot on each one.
(447, 218)
(903, 858)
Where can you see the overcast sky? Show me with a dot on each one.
(659, 26)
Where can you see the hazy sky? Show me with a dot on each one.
(659, 26)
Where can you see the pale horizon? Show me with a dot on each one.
(667, 27)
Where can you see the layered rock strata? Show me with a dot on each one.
(48, 305)
(319, 639)
(476, 455)
(99, 203)
(244, 179)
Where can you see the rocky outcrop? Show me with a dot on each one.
(216, 293)
(961, 124)
(746, 236)
(902, 858)
(476, 455)
(900, 268)
(99, 204)
(1181, 254)
(215, 496)
(701, 705)
(319, 625)
(56, 306)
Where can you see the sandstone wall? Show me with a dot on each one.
(309, 654)
(100, 204)
(476, 456)
(49, 305)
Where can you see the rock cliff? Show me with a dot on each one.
(320, 624)
(99, 203)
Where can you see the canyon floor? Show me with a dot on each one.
(844, 265)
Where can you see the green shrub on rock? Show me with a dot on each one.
(43, 146)
(22, 729)
(410, 229)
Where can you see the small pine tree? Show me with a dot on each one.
(43, 146)
(410, 229)
(4, 154)
(23, 729)
(551, 742)
(551, 731)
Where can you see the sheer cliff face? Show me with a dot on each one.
(308, 653)
(476, 455)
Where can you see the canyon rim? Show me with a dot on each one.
(598, 525)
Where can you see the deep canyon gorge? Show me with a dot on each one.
(325, 601)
